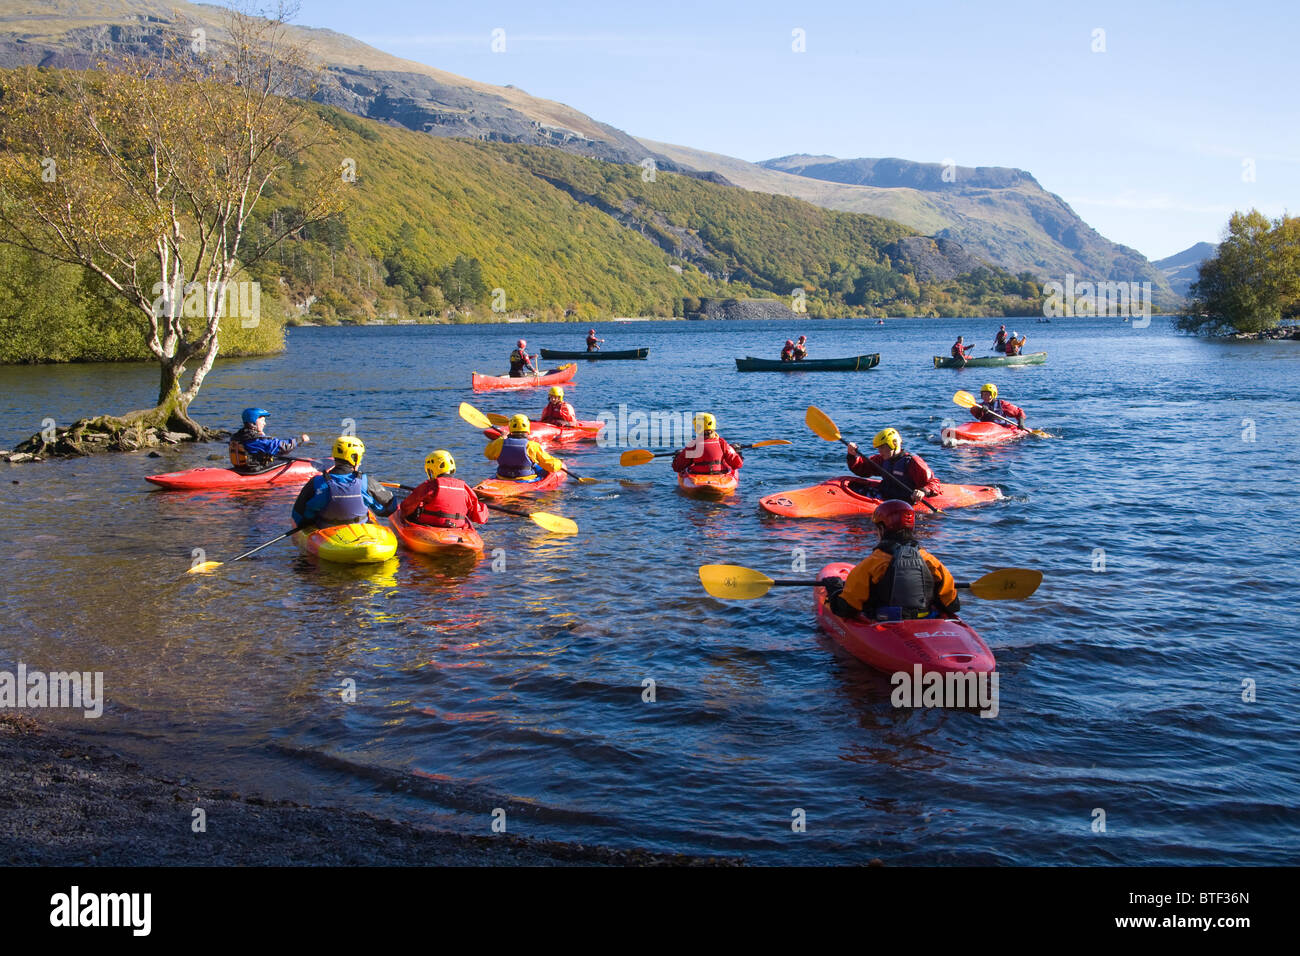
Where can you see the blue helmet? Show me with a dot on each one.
(251, 415)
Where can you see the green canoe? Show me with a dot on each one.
(596, 356)
(854, 363)
(1033, 358)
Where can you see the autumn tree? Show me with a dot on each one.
(146, 172)
(1252, 281)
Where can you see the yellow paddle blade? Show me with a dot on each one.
(734, 583)
(1007, 584)
(496, 419)
(771, 441)
(204, 568)
(636, 456)
(474, 416)
(1039, 433)
(554, 523)
(965, 399)
(821, 424)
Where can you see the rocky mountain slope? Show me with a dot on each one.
(1181, 268)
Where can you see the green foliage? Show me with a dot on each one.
(1252, 282)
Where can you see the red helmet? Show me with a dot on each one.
(522, 343)
(591, 331)
(802, 338)
(789, 341)
(894, 515)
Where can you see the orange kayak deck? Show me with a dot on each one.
(848, 496)
(708, 486)
(511, 488)
(426, 539)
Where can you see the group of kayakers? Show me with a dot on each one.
(795, 351)
(1007, 343)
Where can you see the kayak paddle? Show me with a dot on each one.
(476, 418)
(824, 428)
(207, 566)
(735, 583)
(643, 456)
(543, 519)
(967, 400)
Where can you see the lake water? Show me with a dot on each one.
(1162, 517)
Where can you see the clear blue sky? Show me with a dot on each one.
(1145, 140)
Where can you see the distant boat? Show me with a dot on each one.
(854, 363)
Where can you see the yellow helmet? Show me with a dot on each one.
(704, 422)
(557, 392)
(888, 437)
(439, 463)
(990, 388)
(349, 448)
(520, 425)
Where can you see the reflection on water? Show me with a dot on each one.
(521, 677)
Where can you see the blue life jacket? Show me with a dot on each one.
(347, 500)
(513, 462)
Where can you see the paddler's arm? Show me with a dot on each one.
(493, 450)
(378, 498)
(539, 457)
(948, 599)
(313, 497)
(475, 510)
(922, 477)
(856, 594)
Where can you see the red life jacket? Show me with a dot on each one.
(706, 458)
(556, 415)
(441, 505)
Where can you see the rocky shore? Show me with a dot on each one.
(65, 802)
(1281, 332)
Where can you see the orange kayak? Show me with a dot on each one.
(980, 433)
(227, 479)
(555, 376)
(708, 486)
(426, 539)
(842, 497)
(549, 434)
(514, 488)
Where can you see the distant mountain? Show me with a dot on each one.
(1182, 268)
(1001, 214)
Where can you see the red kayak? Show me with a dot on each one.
(202, 479)
(514, 488)
(549, 434)
(841, 497)
(708, 486)
(426, 539)
(937, 644)
(980, 433)
(556, 376)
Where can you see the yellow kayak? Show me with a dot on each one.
(349, 543)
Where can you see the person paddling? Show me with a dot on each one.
(899, 579)
(787, 353)
(801, 348)
(1000, 340)
(910, 469)
(1014, 344)
(521, 364)
(343, 495)
(443, 501)
(252, 450)
(708, 452)
(557, 410)
(960, 351)
(990, 406)
(517, 455)
(593, 343)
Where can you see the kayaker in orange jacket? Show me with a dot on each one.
(899, 579)
(707, 453)
(557, 410)
(517, 455)
(443, 501)
(910, 469)
(1014, 345)
(990, 407)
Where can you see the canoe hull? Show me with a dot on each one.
(854, 363)
(556, 376)
(622, 355)
(991, 361)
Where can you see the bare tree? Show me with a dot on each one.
(147, 172)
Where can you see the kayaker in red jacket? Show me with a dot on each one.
(521, 364)
(960, 351)
(990, 406)
(899, 579)
(593, 343)
(707, 453)
(1014, 345)
(801, 348)
(910, 469)
(787, 353)
(443, 501)
(557, 410)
